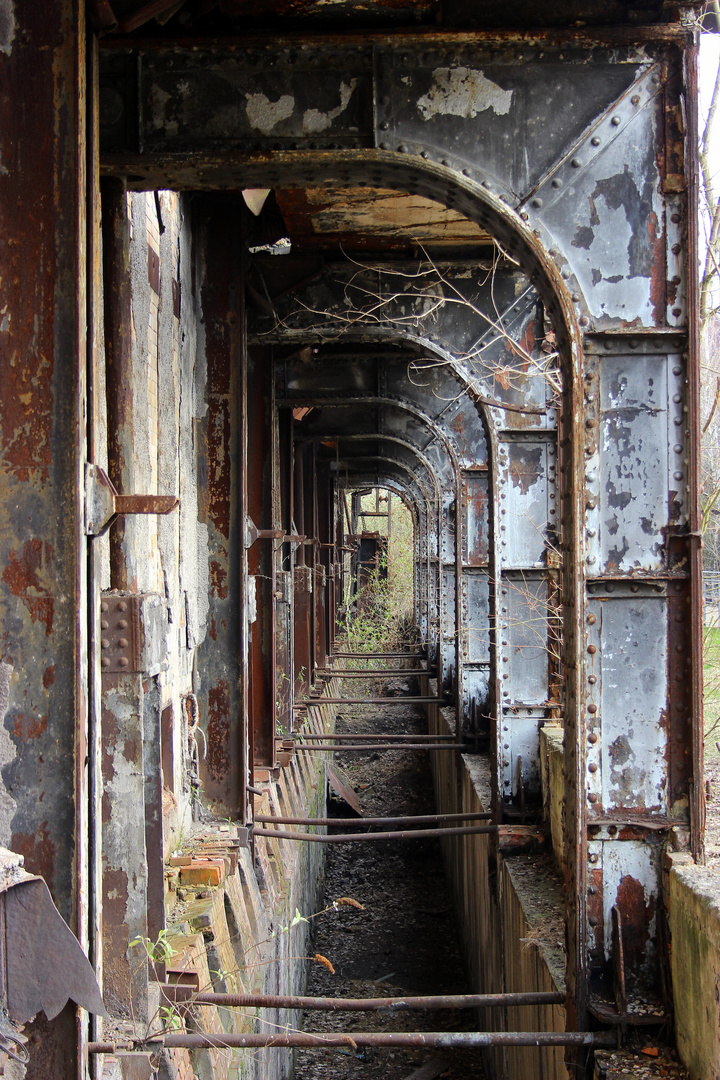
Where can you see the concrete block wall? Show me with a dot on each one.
(509, 910)
(693, 901)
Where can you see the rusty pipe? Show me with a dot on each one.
(376, 738)
(420, 819)
(405, 834)
(427, 700)
(444, 1039)
(461, 747)
(184, 995)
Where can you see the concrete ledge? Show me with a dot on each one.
(511, 913)
(694, 909)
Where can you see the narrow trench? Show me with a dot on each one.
(405, 941)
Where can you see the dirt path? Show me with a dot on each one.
(405, 941)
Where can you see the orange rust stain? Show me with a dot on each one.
(38, 851)
(23, 575)
(49, 676)
(218, 579)
(29, 727)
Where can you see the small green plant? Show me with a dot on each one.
(159, 951)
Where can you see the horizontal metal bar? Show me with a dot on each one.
(332, 736)
(377, 656)
(405, 834)
(445, 1039)
(420, 819)
(373, 701)
(330, 1004)
(463, 747)
(367, 673)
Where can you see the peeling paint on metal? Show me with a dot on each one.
(463, 92)
(315, 121)
(264, 114)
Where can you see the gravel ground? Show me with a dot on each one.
(405, 941)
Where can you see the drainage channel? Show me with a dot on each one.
(404, 942)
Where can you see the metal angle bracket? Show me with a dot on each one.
(103, 504)
(253, 534)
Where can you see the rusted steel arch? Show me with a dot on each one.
(460, 629)
(476, 328)
(451, 633)
(403, 487)
(414, 453)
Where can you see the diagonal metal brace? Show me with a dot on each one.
(103, 504)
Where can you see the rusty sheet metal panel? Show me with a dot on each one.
(637, 478)
(42, 445)
(220, 692)
(627, 705)
(527, 472)
(261, 435)
(476, 534)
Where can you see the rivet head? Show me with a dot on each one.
(593, 920)
(592, 738)
(123, 661)
(556, 183)
(635, 99)
(105, 661)
(592, 619)
(123, 642)
(105, 644)
(592, 708)
(576, 163)
(592, 797)
(615, 121)
(122, 624)
(595, 140)
(105, 624)
(103, 607)
(537, 203)
(122, 606)
(592, 649)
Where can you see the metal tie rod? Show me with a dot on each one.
(443, 1039)
(422, 819)
(378, 656)
(405, 834)
(462, 747)
(180, 994)
(373, 701)
(331, 736)
(345, 673)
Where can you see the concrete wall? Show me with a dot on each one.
(510, 910)
(694, 911)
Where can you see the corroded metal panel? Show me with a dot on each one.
(528, 472)
(628, 702)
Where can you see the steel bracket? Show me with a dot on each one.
(103, 504)
(253, 534)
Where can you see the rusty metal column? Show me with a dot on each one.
(118, 356)
(43, 603)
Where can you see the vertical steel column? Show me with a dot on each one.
(43, 579)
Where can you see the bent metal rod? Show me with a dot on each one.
(181, 995)
(462, 747)
(405, 834)
(444, 1039)
(418, 819)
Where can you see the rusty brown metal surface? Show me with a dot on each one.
(339, 783)
(42, 436)
(260, 558)
(44, 964)
(220, 449)
(118, 357)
